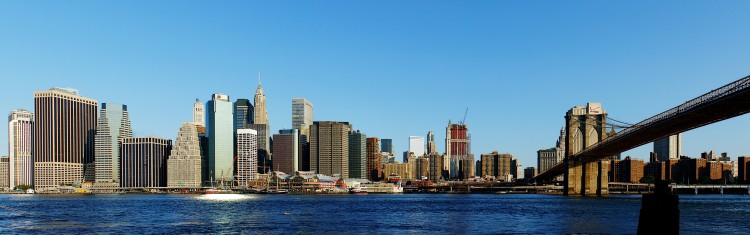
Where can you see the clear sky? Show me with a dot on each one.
(391, 68)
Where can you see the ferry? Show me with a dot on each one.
(218, 191)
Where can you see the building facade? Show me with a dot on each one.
(498, 166)
(329, 148)
(247, 156)
(302, 115)
(386, 145)
(416, 145)
(5, 173)
(529, 172)
(112, 127)
(357, 155)
(64, 130)
(457, 150)
(437, 171)
(374, 169)
(243, 114)
(184, 165)
(668, 148)
(220, 127)
(286, 151)
(431, 146)
(20, 135)
(199, 113)
(144, 162)
(547, 158)
(261, 115)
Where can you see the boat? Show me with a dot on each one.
(30, 191)
(358, 191)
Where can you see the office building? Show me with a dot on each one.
(329, 148)
(264, 140)
(403, 170)
(220, 127)
(431, 146)
(261, 115)
(626, 171)
(247, 157)
(302, 115)
(457, 149)
(422, 168)
(144, 162)
(112, 127)
(416, 145)
(374, 169)
(668, 148)
(199, 113)
(437, 172)
(743, 169)
(357, 155)
(529, 172)
(547, 158)
(498, 166)
(64, 130)
(286, 151)
(20, 134)
(386, 145)
(5, 173)
(243, 114)
(204, 143)
(184, 165)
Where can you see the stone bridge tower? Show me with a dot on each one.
(585, 126)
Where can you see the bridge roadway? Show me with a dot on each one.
(723, 103)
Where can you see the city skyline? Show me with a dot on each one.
(635, 84)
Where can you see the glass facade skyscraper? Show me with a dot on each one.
(220, 125)
(243, 114)
(112, 127)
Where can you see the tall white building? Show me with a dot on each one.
(199, 113)
(247, 156)
(112, 127)
(416, 145)
(302, 115)
(668, 148)
(184, 163)
(21, 163)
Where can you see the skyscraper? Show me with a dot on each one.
(386, 145)
(357, 155)
(329, 148)
(113, 126)
(21, 162)
(547, 158)
(247, 156)
(431, 147)
(221, 139)
(64, 130)
(144, 162)
(302, 115)
(457, 148)
(668, 148)
(286, 151)
(184, 163)
(416, 145)
(243, 114)
(199, 113)
(5, 173)
(261, 116)
(374, 159)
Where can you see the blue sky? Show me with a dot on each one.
(392, 69)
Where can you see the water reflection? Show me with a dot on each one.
(225, 197)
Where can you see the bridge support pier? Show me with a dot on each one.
(586, 178)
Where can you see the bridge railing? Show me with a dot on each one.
(715, 94)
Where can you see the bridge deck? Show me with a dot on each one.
(726, 102)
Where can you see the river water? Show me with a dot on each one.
(354, 214)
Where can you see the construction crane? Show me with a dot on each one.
(464, 120)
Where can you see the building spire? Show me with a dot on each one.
(259, 79)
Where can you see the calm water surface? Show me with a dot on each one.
(379, 214)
